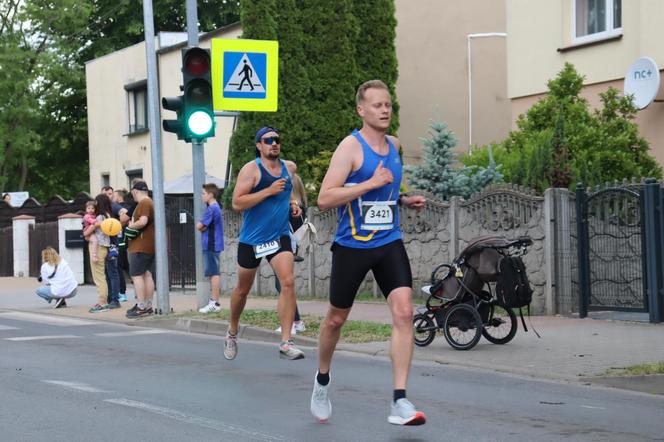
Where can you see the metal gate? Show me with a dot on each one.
(611, 249)
(6, 251)
(40, 236)
(181, 252)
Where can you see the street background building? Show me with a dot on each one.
(600, 42)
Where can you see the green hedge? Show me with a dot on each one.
(327, 48)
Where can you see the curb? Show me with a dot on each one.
(218, 328)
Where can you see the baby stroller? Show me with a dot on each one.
(462, 302)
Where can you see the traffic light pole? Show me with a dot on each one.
(198, 177)
(161, 246)
(197, 172)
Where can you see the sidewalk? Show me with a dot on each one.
(570, 349)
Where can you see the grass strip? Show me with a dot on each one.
(353, 332)
(639, 370)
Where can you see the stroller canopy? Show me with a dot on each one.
(480, 243)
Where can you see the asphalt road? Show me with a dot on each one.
(65, 379)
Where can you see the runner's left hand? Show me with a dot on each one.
(413, 202)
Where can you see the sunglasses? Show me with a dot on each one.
(271, 140)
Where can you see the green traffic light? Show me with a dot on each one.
(200, 123)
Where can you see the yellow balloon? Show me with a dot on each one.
(111, 226)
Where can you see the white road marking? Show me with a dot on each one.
(45, 319)
(593, 408)
(77, 386)
(7, 327)
(132, 333)
(39, 338)
(195, 420)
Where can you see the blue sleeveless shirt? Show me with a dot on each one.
(372, 220)
(267, 220)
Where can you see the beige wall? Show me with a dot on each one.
(433, 75)
(537, 29)
(108, 120)
(111, 150)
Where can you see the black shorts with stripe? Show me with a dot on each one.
(389, 264)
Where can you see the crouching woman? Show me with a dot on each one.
(57, 278)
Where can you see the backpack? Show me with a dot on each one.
(512, 287)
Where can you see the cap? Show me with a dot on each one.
(140, 185)
(263, 130)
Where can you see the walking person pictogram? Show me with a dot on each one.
(248, 73)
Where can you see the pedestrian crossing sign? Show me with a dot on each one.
(245, 75)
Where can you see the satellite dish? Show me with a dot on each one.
(642, 81)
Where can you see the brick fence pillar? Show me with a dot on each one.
(73, 256)
(21, 230)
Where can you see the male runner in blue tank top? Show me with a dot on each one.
(263, 193)
(363, 182)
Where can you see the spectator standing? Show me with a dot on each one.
(141, 251)
(104, 270)
(212, 231)
(299, 197)
(108, 191)
(122, 210)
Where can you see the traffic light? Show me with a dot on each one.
(197, 85)
(175, 104)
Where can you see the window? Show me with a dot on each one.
(596, 19)
(137, 95)
(133, 174)
(105, 179)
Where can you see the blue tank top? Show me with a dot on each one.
(267, 220)
(373, 219)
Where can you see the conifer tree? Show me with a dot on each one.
(437, 173)
(442, 174)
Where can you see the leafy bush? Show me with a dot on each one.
(560, 141)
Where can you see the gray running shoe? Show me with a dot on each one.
(404, 413)
(288, 350)
(230, 346)
(321, 407)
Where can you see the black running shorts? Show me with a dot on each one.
(389, 264)
(246, 258)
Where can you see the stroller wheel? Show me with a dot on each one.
(424, 330)
(500, 326)
(462, 327)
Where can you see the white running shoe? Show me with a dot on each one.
(230, 346)
(402, 412)
(211, 307)
(321, 407)
(298, 326)
(288, 350)
(293, 330)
